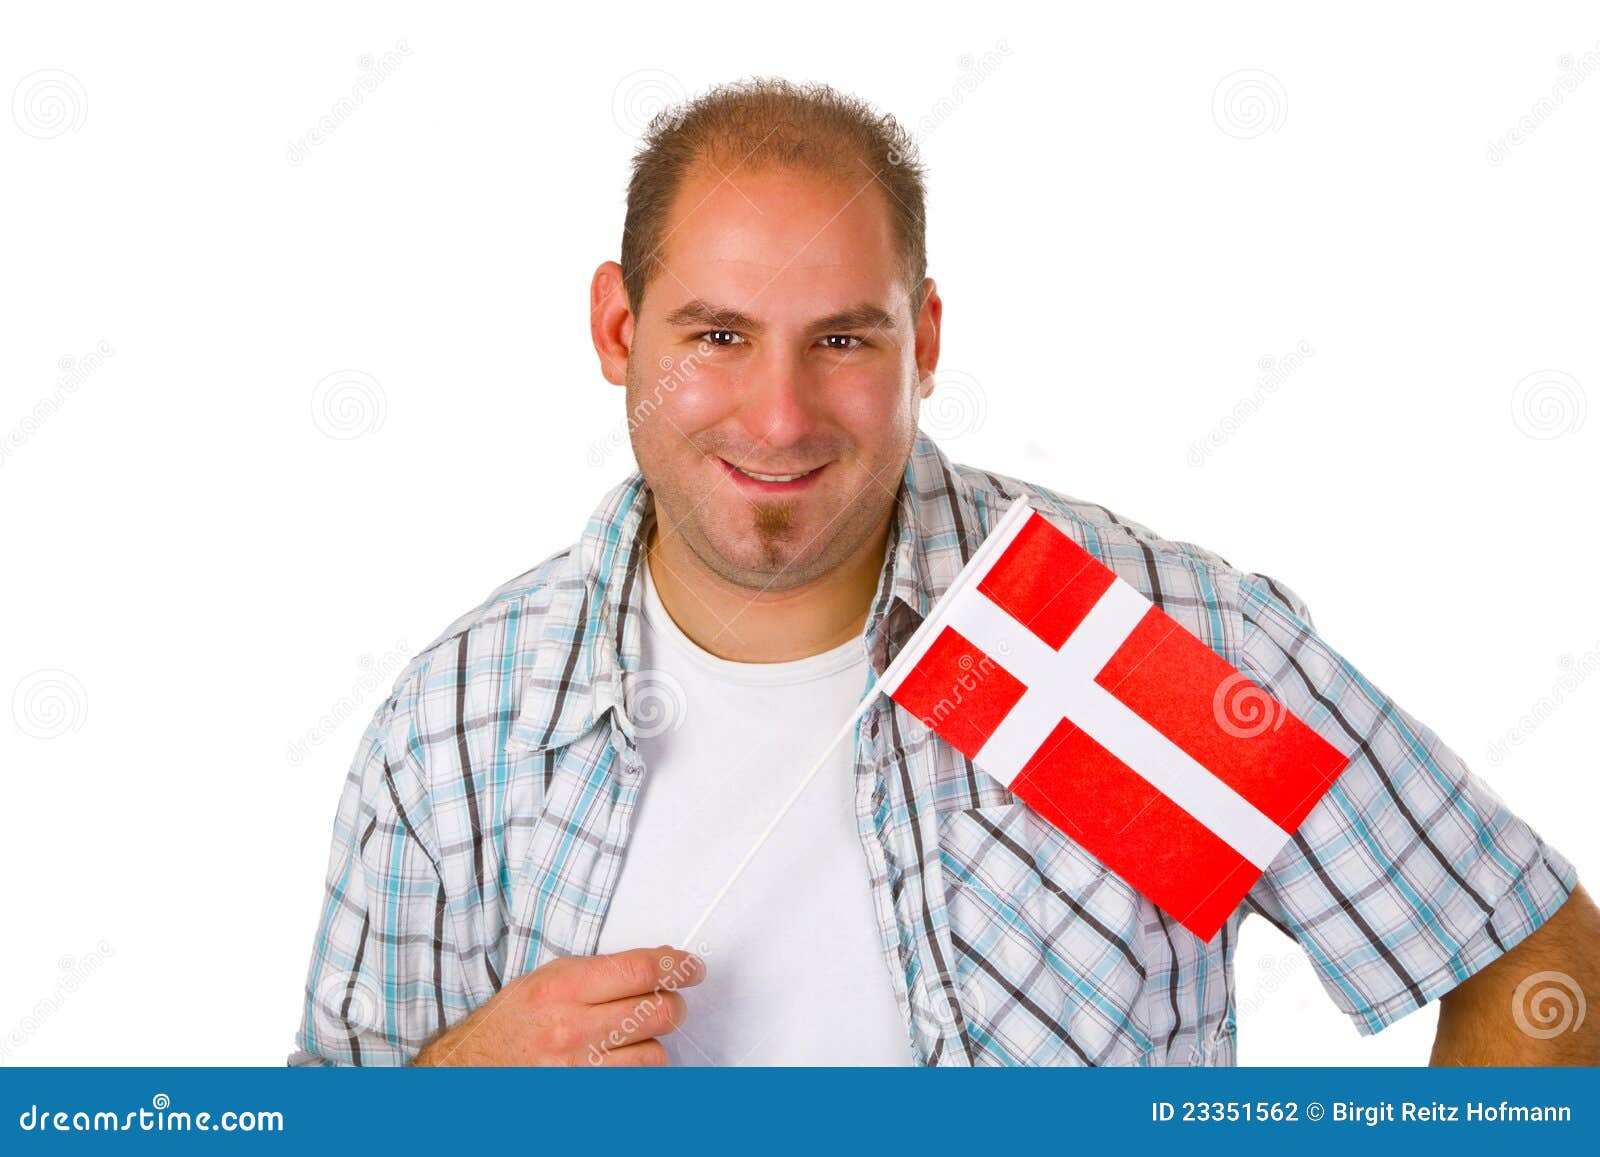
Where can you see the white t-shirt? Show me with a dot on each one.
(795, 970)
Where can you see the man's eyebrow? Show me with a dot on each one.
(863, 316)
(697, 312)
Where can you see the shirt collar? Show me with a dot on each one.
(589, 643)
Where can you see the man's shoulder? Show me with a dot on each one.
(1177, 574)
(1113, 532)
(434, 754)
(498, 633)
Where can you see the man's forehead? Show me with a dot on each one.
(759, 183)
(777, 219)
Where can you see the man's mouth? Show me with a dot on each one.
(763, 481)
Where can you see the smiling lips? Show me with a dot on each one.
(763, 483)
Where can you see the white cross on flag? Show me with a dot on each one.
(1103, 714)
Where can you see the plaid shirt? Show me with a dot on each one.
(485, 818)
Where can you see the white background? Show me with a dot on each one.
(215, 568)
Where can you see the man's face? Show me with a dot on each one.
(778, 338)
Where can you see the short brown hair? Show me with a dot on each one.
(773, 122)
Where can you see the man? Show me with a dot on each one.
(560, 784)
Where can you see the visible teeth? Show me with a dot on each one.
(772, 477)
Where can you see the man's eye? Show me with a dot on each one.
(844, 337)
(722, 337)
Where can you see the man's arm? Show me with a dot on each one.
(1410, 876)
(382, 962)
(1529, 1006)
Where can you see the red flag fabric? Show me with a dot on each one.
(1113, 722)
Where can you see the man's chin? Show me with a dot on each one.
(773, 566)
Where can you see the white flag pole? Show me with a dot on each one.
(999, 536)
(772, 826)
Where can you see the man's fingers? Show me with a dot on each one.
(651, 1053)
(634, 1019)
(619, 975)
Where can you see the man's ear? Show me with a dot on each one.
(928, 320)
(610, 322)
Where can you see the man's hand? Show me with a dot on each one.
(1530, 1006)
(576, 1010)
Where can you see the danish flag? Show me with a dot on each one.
(1106, 716)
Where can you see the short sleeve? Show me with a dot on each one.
(383, 956)
(1410, 874)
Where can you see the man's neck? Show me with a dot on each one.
(749, 625)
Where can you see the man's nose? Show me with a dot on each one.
(777, 400)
